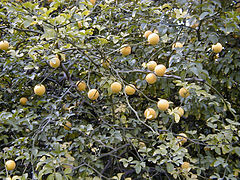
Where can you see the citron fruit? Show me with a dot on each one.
(10, 165)
(153, 39)
(54, 63)
(217, 48)
(116, 87)
(151, 78)
(185, 165)
(150, 113)
(163, 104)
(147, 33)
(184, 92)
(4, 45)
(180, 111)
(93, 2)
(160, 70)
(81, 86)
(39, 89)
(130, 89)
(23, 101)
(67, 125)
(93, 94)
(126, 50)
(151, 65)
(182, 140)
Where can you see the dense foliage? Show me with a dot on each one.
(110, 138)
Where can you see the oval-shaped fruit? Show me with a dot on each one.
(184, 92)
(81, 86)
(160, 70)
(126, 50)
(147, 33)
(54, 63)
(93, 94)
(150, 113)
(10, 165)
(180, 111)
(151, 65)
(93, 2)
(67, 125)
(23, 101)
(217, 48)
(4, 45)
(130, 89)
(151, 78)
(116, 87)
(39, 89)
(163, 104)
(153, 39)
(79, 23)
(182, 140)
(185, 165)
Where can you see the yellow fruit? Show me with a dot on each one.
(93, 94)
(39, 89)
(79, 23)
(67, 125)
(54, 63)
(23, 101)
(184, 92)
(10, 165)
(81, 86)
(163, 104)
(153, 39)
(130, 89)
(185, 165)
(126, 50)
(116, 87)
(181, 139)
(160, 70)
(150, 113)
(180, 111)
(151, 78)
(147, 33)
(4, 45)
(177, 45)
(151, 65)
(93, 2)
(217, 48)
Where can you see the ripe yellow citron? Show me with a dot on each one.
(55, 62)
(150, 113)
(151, 78)
(160, 70)
(67, 125)
(181, 139)
(153, 39)
(130, 89)
(93, 2)
(217, 48)
(10, 165)
(184, 92)
(163, 104)
(4, 45)
(185, 165)
(151, 65)
(180, 111)
(23, 101)
(81, 86)
(93, 94)
(39, 89)
(126, 50)
(147, 33)
(116, 87)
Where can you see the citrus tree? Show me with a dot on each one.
(112, 89)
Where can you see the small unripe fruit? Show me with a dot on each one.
(81, 86)
(54, 63)
(67, 125)
(163, 104)
(185, 165)
(182, 140)
(4, 45)
(153, 39)
(116, 87)
(184, 92)
(23, 101)
(217, 48)
(93, 2)
(126, 50)
(151, 78)
(39, 89)
(93, 94)
(130, 89)
(10, 165)
(160, 70)
(151, 65)
(150, 113)
(147, 33)
(180, 111)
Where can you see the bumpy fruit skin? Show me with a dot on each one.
(150, 113)
(217, 48)
(116, 87)
(153, 39)
(163, 104)
(93, 94)
(67, 125)
(130, 89)
(39, 89)
(54, 63)
(184, 92)
(126, 50)
(185, 165)
(182, 140)
(160, 70)
(180, 111)
(93, 2)
(81, 86)
(147, 33)
(10, 165)
(151, 65)
(4, 45)
(23, 101)
(151, 78)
